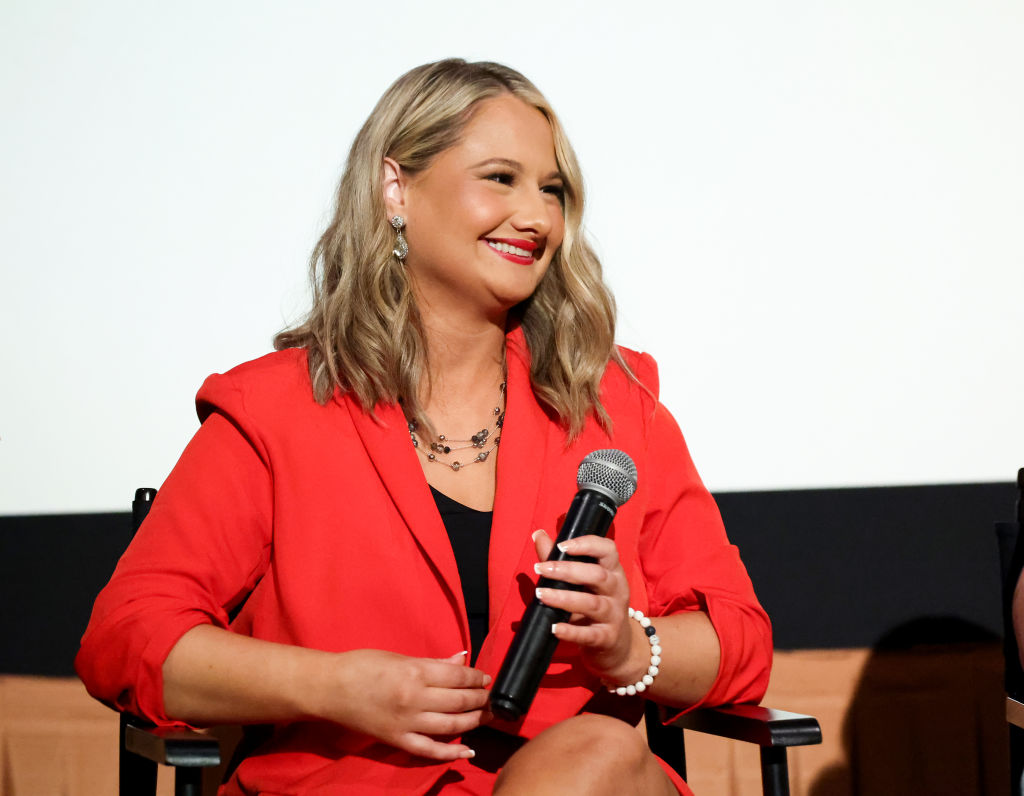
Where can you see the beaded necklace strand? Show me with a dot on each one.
(443, 447)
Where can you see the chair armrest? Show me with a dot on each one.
(172, 747)
(753, 724)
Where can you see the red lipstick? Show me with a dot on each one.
(517, 257)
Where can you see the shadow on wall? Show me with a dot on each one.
(926, 716)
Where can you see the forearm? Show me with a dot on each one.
(689, 659)
(215, 676)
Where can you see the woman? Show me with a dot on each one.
(347, 503)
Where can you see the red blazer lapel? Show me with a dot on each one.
(386, 440)
(523, 450)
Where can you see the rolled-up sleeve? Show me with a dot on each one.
(689, 564)
(202, 548)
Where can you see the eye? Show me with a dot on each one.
(557, 190)
(502, 177)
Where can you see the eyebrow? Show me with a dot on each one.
(515, 165)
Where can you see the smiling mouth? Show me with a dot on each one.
(508, 248)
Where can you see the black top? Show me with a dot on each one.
(470, 533)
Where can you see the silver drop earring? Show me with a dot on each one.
(401, 249)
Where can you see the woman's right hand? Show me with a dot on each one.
(214, 676)
(408, 702)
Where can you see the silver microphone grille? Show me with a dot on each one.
(609, 471)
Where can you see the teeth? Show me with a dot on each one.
(504, 247)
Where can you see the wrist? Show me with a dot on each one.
(317, 679)
(642, 675)
(635, 662)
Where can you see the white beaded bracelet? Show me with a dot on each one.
(652, 669)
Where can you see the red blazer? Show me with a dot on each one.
(321, 516)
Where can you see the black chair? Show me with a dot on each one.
(143, 746)
(1011, 562)
(772, 730)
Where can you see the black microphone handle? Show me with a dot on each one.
(529, 655)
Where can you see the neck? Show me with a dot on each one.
(462, 399)
(463, 361)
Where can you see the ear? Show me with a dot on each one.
(394, 186)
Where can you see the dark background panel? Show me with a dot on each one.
(833, 567)
(847, 567)
(51, 569)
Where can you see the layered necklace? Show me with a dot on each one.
(441, 449)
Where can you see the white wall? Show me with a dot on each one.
(811, 213)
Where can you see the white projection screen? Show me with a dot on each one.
(810, 213)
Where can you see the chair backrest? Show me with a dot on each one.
(136, 774)
(1011, 563)
(195, 757)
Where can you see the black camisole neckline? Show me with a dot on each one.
(469, 532)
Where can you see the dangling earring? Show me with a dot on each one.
(401, 249)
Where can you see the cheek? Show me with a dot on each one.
(481, 210)
(557, 233)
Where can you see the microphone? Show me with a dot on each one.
(606, 479)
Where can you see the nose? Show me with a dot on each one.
(536, 212)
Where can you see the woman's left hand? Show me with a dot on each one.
(599, 623)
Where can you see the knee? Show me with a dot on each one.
(602, 743)
(586, 754)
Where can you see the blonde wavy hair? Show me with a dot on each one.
(364, 334)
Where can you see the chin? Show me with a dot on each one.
(516, 291)
(512, 299)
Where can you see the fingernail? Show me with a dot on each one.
(535, 533)
(487, 679)
(564, 546)
(469, 753)
(536, 568)
(539, 596)
(553, 633)
(464, 652)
